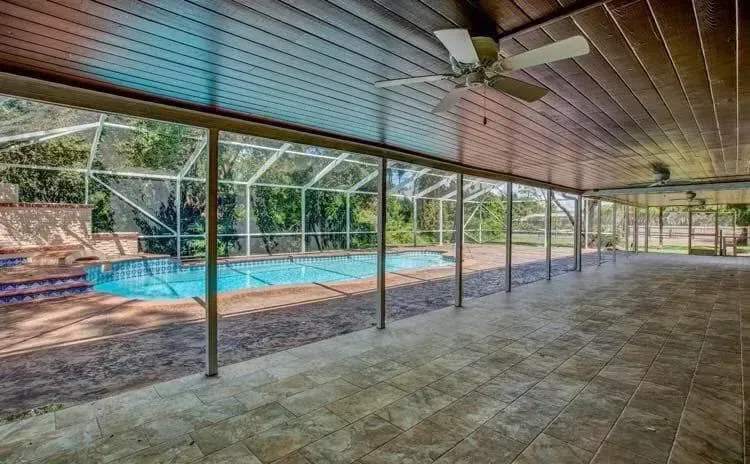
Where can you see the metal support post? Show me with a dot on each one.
(348, 221)
(577, 231)
(716, 232)
(459, 239)
(614, 232)
(599, 231)
(690, 231)
(548, 235)
(647, 230)
(414, 221)
(586, 219)
(178, 216)
(661, 228)
(481, 207)
(627, 230)
(303, 215)
(247, 219)
(380, 258)
(508, 234)
(440, 219)
(212, 248)
(635, 229)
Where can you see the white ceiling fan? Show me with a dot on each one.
(475, 62)
(690, 199)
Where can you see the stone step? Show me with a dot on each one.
(35, 291)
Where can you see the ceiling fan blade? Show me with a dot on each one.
(412, 80)
(459, 45)
(518, 88)
(486, 48)
(568, 48)
(450, 99)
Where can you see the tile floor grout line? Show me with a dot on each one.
(537, 382)
(742, 383)
(640, 382)
(692, 382)
(582, 389)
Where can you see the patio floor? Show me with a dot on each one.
(641, 361)
(86, 347)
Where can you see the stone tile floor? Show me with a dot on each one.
(640, 362)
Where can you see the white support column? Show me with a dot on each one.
(548, 234)
(414, 221)
(578, 254)
(178, 216)
(646, 230)
(599, 231)
(690, 231)
(508, 234)
(440, 219)
(635, 229)
(627, 230)
(481, 207)
(348, 221)
(303, 215)
(459, 241)
(380, 258)
(716, 231)
(212, 351)
(247, 219)
(614, 232)
(586, 220)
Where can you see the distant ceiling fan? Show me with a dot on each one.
(660, 173)
(690, 198)
(475, 62)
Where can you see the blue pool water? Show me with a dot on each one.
(162, 278)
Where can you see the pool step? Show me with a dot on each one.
(37, 289)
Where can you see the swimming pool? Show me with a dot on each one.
(167, 279)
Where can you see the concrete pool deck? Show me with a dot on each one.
(85, 347)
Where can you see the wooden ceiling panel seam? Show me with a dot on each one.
(544, 136)
(743, 85)
(594, 60)
(615, 161)
(308, 120)
(519, 12)
(606, 94)
(10, 40)
(535, 75)
(727, 128)
(562, 78)
(614, 69)
(672, 74)
(656, 89)
(16, 35)
(578, 142)
(679, 30)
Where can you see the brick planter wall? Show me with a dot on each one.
(34, 226)
(115, 243)
(44, 224)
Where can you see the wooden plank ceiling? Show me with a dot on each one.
(660, 84)
(710, 196)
